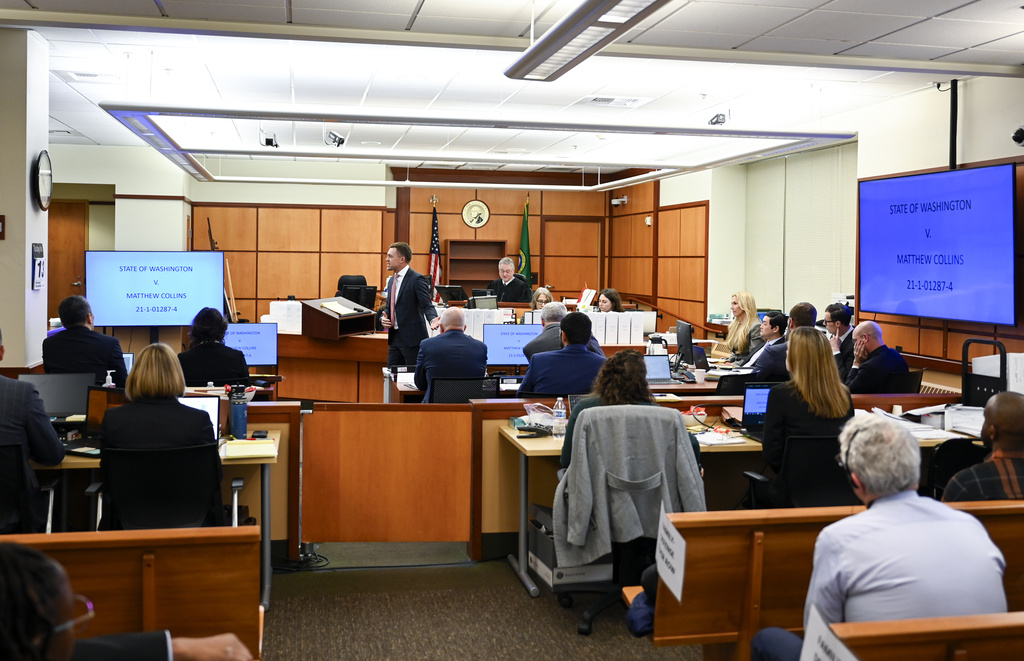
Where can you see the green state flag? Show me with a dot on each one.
(524, 244)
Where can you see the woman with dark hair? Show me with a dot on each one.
(208, 360)
(621, 381)
(609, 301)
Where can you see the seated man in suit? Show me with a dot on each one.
(41, 616)
(1001, 475)
(23, 421)
(892, 561)
(873, 362)
(773, 327)
(837, 324)
(508, 288)
(572, 369)
(550, 338)
(771, 364)
(79, 349)
(452, 353)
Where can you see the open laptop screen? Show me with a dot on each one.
(210, 404)
(657, 366)
(755, 405)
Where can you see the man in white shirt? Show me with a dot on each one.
(772, 328)
(906, 556)
(840, 336)
(407, 304)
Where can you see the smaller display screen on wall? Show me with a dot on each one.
(130, 288)
(939, 245)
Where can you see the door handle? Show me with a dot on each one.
(76, 284)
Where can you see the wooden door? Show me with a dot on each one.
(65, 255)
(571, 249)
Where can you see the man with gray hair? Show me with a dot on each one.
(873, 362)
(895, 560)
(452, 353)
(508, 288)
(550, 338)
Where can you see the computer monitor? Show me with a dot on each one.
(684, 342)
(62, 394)
(483, 303)
(483, 292)
(257, 341)
(210, 404)
(364, 295)
(451, 293)
(129, 360)
(505, 342)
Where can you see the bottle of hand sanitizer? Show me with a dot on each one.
(109, 382)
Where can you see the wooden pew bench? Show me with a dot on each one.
(750, 569)
(967, 638)
(194, 581)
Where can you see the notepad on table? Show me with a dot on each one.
(250, 447)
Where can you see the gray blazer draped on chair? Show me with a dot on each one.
(626, 461)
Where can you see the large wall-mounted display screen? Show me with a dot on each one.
(939, 245)
(131, 288)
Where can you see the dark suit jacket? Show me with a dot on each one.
(787, 415)
(452, 353)
(78, 350)
(567, 371)
(213, 362)
(516, 291)
(148, 646)
(844, 359)
(771, 364)
(155, 423)
(550, 339)
(23, 421)
(412, 304)
(870, 376)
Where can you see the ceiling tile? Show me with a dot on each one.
(920, 8)
(683, 39)
(117, 7)
(721, 17)
(899, 51)
(994, 11)
(794, 45)
(843, 26)
(951, 33)
(350, 19)
(981, 56)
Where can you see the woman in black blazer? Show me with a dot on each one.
(154, 418)
(814, 402)
(208, 360)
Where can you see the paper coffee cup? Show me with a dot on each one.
(698, 376)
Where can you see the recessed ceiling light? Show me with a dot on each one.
(370, 143)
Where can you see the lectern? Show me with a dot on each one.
(330, 324)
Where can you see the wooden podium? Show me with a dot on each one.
(320, 322)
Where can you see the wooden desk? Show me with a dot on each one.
(992, 637)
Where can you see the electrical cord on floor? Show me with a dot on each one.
(309, 562)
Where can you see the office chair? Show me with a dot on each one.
(907, 382)
(350, 280)
(732, 384)
(949, 458)
(461, 389)
(161, 488)
(627, 462)
(522, 276)
(16, 494)
(810, 477)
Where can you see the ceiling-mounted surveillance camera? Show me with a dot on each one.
(268, 138)
(335, 138)
(619, 201)
(717, 120)
(1018, 136)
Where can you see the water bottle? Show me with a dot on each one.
(558, 428)
(239, 412)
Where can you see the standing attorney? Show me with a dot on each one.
(408, 302)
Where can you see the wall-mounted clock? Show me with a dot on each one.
(42, 179)
(475, 213)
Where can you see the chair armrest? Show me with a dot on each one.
(755, 477)
(50, 484)
(93, 492)
(236, 485)
(93, 489)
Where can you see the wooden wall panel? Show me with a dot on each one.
(572, 237)
(247, 309)
(449, 200)
(282, 273)
(322, 380)
(262, 308)
(693, 231)
(641, 200)
(567, 203)
(351, 230)
(681, 277)
(371, 383)
(507, 229)
(955, 346)
(510, 202)
(642, 235)
(931, 342)
(234, 228)
(336, 264)
(669, 232)
(243, 273)
(620, 240)
(903, 336)
(568, 275)
(288, 230)
(448, 227)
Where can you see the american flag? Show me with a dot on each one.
(435, 260)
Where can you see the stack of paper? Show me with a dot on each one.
(250, 447)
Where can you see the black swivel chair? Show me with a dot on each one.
(459, 390)
(522, 276)
(350, 280)
(906, 382)
(15, 495)
(162, 488)
(949, 458)
(732, 384)
(810, 476)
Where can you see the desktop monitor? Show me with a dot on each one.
(257, 341)
(483, 303)
(210, 404)
(684, 342)
(505, 342)
(364, 295)
(483, 292)
(62, 394)
(450, 293)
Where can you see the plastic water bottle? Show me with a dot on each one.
(558, 428)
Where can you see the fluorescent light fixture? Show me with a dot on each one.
(594, 25)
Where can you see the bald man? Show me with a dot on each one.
(452, 353)
(873, 362)
(1001, 475)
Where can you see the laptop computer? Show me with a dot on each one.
(700, 359)
(208, 403)
(659, 372)
(129, 361)
(755, 405)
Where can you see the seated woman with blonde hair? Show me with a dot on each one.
(744, 336)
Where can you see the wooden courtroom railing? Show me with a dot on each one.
(746, 570)
(992, 637)
(194, 582)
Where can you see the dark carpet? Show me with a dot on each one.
(468, 611)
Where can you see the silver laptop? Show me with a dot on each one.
(659, 371)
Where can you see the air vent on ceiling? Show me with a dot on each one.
(87, 77)
(613, 101)
(65, 133)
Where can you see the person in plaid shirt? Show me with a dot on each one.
(1001, 475)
